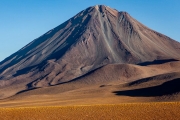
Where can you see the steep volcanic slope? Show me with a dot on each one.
(95, 37)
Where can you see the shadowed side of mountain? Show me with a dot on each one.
(156, 79)
(167, 88)
(166, 84)
(156, 62)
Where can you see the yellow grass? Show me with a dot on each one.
(134, 111)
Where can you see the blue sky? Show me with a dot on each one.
(21, 21)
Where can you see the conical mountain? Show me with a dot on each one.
(93, 38)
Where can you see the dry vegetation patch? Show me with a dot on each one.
(139, 111)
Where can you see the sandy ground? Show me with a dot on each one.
(135, 111)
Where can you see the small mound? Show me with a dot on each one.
(112, 72)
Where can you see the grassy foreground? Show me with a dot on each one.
(134, 111)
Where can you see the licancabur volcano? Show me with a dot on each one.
(94, 38)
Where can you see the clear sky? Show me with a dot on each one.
(21, 21)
